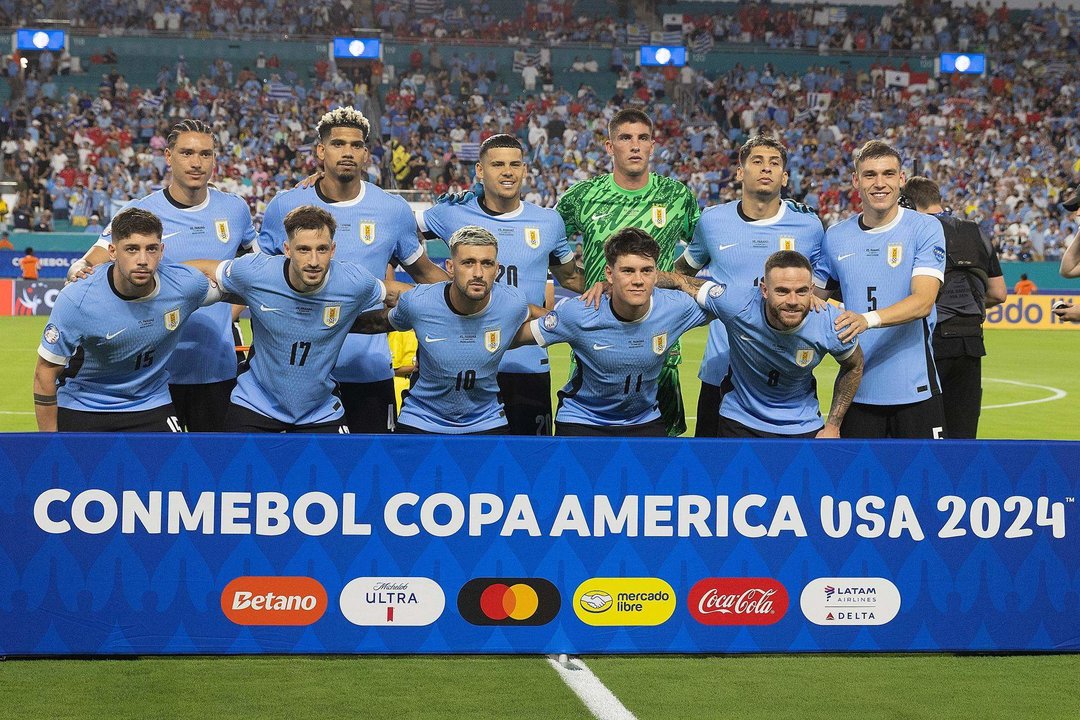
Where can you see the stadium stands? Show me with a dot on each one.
(1001, 145)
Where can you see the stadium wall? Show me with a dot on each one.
(134, 544)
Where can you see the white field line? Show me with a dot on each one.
(16, 412)
(600, 701)
(1055, 394)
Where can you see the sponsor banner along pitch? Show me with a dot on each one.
(226, 544)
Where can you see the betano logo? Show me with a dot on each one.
(509, 601)
(624, 601)
(850, 601)
(391, 601)
(262, 600)
(738, 601)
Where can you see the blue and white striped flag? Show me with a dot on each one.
(667, 37)
(637, 34)
(837, 15)
(702, 42)
(468, 151)
(278, 91)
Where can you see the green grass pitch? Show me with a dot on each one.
(1031, 391)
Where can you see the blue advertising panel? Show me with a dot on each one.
(964, 63)
(53, 264)
(279, 544)
(358, 48)
(660, 55)
(31, 39)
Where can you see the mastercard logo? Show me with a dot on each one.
(509, 601)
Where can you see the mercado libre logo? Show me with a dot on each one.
(737, 601)
(265, 600)
(509, 601)
(624, 601)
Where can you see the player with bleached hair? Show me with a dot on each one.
(374, 229)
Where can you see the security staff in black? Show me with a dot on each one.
(973, 282)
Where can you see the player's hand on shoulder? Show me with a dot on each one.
(476, 191)
(394, 289)
(310, 180)
(850, 324)
(593, 295)
(817, 304)
(79, 270)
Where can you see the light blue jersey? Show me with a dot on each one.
(212, 230)
(372, 228)
(874, 269)
(771, 383)
(126, 343)
(618, 361)
(733, 249)
(458, 356)
(531, 239)
(297, 335)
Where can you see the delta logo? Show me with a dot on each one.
(624, 601)
(263, 600)
(850, 601)
(509, 601)
(392, 601)
(738, 601)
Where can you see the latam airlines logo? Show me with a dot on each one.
(260, 600)
(390, 601)
(509, 601)
(850, 601)
(738, 601)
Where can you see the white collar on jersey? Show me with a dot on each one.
(889, 225)
(153, 293)
(641, 319)
(772, 220)
(359, 196)
(201, 206)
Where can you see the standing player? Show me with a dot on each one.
(199, 222)
(373, 229)
(631, 196)
(889, 263)
(621, 347)
(463, 328)
(531, 239)
(973, 282)
(733, 241)
(302, 306)
(125, 322)
(775, 344)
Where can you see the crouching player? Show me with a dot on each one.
(776, 342)
(463, 328)
(101, 363)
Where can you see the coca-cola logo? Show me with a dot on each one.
(738, 601)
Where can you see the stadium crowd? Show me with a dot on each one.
(1003, 146)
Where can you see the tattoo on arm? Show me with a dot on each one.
(40, 399)
(372, 322)
(675, 281)
(847, 382)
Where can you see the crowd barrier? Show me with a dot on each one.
(226, 544)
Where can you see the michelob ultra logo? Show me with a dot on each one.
(262, 600)
(624, 601)
(392, 601)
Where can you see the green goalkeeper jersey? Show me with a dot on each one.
(596, 208)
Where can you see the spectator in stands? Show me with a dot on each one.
(1024, 286)
(5, 242)
(44, 223)
(94, 225)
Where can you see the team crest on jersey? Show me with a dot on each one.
(492, 340)
(804, 356)
(787, 242)
(221, 227)
(52, 333)
(172, 319)
(659, 216)
(330, 315)
(532, 237)
(367, 232)
(894, 254)
(659, 343)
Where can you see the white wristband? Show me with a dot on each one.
(873, 320)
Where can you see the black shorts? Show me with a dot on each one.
(242, 420)
(728, 428)
(410, 430)
(924, 419)
(202, 408)
(653, 428)
(527, 400)
(961, 394)
(370, 408)
(159, 419)
(708, 411)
